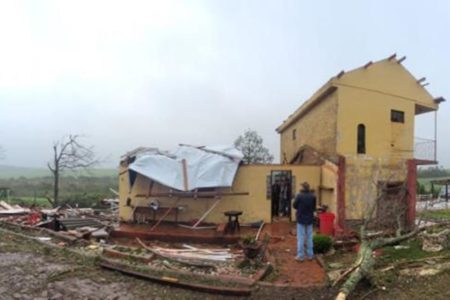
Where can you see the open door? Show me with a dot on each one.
(281, 193)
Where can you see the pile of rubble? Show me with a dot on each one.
(11, 210)
(198, 259)
(83, 223)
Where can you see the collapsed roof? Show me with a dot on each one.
(188, 167)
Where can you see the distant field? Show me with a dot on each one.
(27, 201)
(7, 172)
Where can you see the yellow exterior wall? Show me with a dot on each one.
(363, 96)
(317, 129)
(367, 96)
(329, 181)
(251, 179)
(387, 77)
(384, 139)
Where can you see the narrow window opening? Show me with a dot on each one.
(361, 139)
(397, 116)
(294, 134)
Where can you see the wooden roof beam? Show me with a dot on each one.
(368, 64)
(439, 100)
(401, 60)
(392, 56)
(421, 80)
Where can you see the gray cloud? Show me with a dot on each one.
(131, 73)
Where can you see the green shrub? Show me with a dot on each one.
(249, 240)
(322, 243)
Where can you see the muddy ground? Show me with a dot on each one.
(29, 270)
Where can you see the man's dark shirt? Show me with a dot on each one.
(305, 204)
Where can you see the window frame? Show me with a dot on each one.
(397, 116)
(361, 139)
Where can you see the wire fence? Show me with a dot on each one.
(425, 149)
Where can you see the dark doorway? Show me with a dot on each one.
(281, 183)
(392, 207)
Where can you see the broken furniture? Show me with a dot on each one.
(233, 221)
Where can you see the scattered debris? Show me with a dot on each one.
(401, 247)
(191, 255)
(9, 210)
(435, 242)
(78, 223)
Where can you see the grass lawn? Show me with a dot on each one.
(442, 214)
(390, 254)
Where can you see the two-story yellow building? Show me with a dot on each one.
(363, 120)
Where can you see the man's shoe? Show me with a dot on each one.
(311, 258)
(297, 258)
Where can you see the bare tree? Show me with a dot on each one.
(69, 154)
(251, 145)
(2, 153)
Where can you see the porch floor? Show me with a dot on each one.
(171, 232)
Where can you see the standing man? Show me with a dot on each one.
(305, 204)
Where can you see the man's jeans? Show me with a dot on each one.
(301, 231)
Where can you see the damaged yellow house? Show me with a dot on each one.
(363, 120)
(357, 129)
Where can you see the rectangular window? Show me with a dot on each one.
(294, 134)
(397, 116)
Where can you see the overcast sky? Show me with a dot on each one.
(159, 73)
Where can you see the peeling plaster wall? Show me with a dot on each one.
(317, 129)
(251, 179)
(362, 176)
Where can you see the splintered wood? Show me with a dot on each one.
(192, 255)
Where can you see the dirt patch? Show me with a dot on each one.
(288, 271)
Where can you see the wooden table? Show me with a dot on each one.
(233, 221)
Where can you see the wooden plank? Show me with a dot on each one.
(207, 213)
(164, 215)
(259, 231)
(185, 175)
(193, 194)
(232, 291)
(198, 227)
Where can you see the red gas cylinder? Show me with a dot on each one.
(326, 223)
